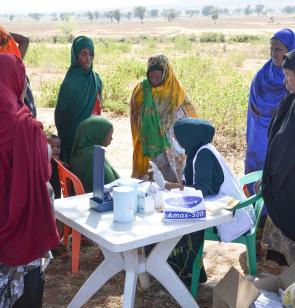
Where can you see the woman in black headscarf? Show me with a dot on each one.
(278, 181)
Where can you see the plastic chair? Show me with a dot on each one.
(71, 186)
(248, 239)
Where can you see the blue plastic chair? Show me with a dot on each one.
(248, 239)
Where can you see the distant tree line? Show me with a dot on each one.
(141, 13)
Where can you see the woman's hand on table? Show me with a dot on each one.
(169, 186)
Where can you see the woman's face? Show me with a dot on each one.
(289, 80)
(277, 51)
(155, 77)
(108, 139)
(85, 58)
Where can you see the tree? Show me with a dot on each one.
(35, 16)
(224, 11)
(65, 17)
(171, 14)
(128, 15)
(11, 17)
(288, 9)
(237, 11)
(259, 8)
(139, 11)
(117, 15)
(90, 16)
(248, 10)
(191, 13)
(209, 10)
(154, 13)
(96, 14)
(110, 15)
(214, 17)
(54, 16)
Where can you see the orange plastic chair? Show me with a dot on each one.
(70, 186)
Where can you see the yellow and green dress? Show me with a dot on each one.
(153, 112)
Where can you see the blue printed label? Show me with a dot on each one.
(184, 202)
(170, 215)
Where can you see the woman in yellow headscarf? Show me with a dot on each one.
(156, 103)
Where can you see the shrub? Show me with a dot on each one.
(212, 37)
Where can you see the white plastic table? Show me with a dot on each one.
(119, 243)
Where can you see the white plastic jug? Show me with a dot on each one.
(132, 183)
(124, 201)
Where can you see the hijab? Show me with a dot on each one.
(267, 88)
(91, 131)
(192, 134)
(27, 225)
(77, 96)
(279, 169)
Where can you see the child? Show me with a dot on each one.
(54, 142)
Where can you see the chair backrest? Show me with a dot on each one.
(69, 182)
(256, 200)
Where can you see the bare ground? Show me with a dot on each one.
(62, 285)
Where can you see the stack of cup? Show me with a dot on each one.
(124, 202)
(130, 183)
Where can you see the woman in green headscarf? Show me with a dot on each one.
(79, 95)
(95, 130)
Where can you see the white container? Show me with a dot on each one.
(131, 183)
(145, 204)
(125, 199)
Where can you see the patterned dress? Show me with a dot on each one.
(275, 240)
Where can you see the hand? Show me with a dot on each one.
(170, 186)
(257, 186)
(157, 175)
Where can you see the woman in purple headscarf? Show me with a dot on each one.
(266, 91)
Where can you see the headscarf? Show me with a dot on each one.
(192, 134)
(168, 97)
(279, 170)
(266, 92)
(8, 44)
(91, 131)
(27, 225)
(77, 96)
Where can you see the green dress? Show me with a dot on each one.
(76, 97)
(91, 131)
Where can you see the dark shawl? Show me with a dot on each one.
(76, 98)
(279, 169)
(192, 134)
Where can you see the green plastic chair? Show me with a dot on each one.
(248, 239)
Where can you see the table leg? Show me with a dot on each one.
(157, 265)
(111, 265)
(132, 269)
(143, 276)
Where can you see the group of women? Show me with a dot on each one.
(165, 130)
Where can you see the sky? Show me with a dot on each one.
(26, 6)
(49, 6)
